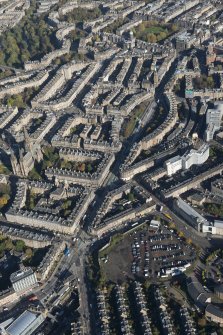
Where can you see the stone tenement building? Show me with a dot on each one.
(43, 216)
(103, 105)
(94, 180)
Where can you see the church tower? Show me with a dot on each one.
(15, 164)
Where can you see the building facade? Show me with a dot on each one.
(23, 280)
(173, 165)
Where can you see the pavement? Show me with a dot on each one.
(75, 263)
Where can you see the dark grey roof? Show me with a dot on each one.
(197, 292)
(214, 310)
(18, 275)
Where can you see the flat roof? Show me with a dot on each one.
(173, 159)
(219, 288)
(218, 223)
(189, 210)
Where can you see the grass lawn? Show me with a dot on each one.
(136, 114)
(152, 31)
(155, 30)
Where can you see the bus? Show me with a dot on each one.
(32, 297)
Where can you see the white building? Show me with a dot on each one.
(196, 220)
(23, 280)
(213, 120)
(190, 215)
(173, 165)
(195, 157)
(215, 228)
(155, 224)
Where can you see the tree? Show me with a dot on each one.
(19, 246)
(189, 241)
(25, 56)
(3, 169)
(66, 204)
(50, 157)
(171, 224)
(73, 130)
(162, 36)
(15, 100)
(33, 174)
(32, 37)
(4, 200)
(81, 167)
(2, 247)
(89, 167)
(202, 322)
(8, 244)
(177, 88)
(32, 200)
(131, 197)
(152, 38)
(97, 38)
(65, 164)
(2, 57)
(174, 27)
(29, 253)
(210, 82)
